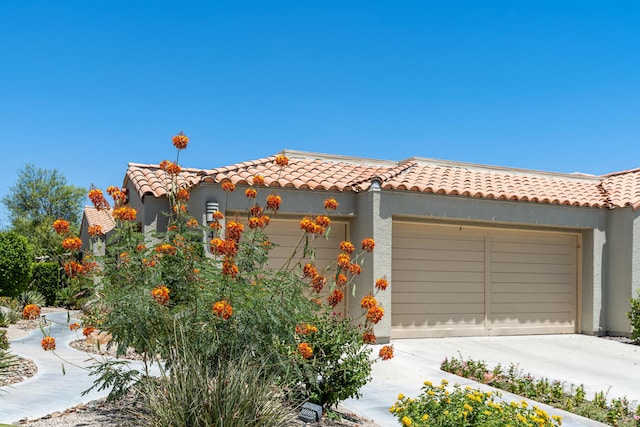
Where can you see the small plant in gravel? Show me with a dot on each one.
(572, 398)
(442, 406)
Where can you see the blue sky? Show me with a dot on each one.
(88, 86)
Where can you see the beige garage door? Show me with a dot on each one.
(286, 234)
(465, 281)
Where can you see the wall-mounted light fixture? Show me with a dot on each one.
(212, 207)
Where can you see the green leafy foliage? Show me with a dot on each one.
(572, 398)
(16, 258)
(634, 317)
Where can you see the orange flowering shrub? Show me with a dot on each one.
(88, 330)
(220, 297)
(74, 326)
(386, 352)
(31, 312)
(95, 230)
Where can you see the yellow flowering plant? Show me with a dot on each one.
(444, 406)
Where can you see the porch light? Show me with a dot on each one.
(212, 207)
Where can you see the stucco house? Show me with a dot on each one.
(468, 249)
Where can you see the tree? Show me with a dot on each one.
(39, 197)
(16, 259)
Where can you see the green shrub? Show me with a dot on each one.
(16, 257)
(8, 318)
(46, 279)
(634, 317)
(438, 406)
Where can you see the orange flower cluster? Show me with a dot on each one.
(386, 352)
(315, 226)
(335, 297)
(180, 141)
(344, 261)
(183, 195)
(368, 244)
(228, 186)
(251, 193)
(317, 282)
(259, 221)
(355, 269)
(375, 314)
(347, 247)
(282, 160)
(118, 195)
(309, 270)
(95, 230)
(98, 200)
(229, 268)
(31, 312)
(368, 301)
(273, 202)
(222, 309)
(73, 269)
(341, 279)
(125, 213)
(305, 350)
(381, 284)
(160, 294)
(192, 223)
(61, 226)
(72, 243)
(167, 249)
(170, 167)
(258, 180)
(331, 204)
(306, 329)
(88, 330)
(234, 231)
(141, 247)
(368, 337)
(74, 326)
(48, 343)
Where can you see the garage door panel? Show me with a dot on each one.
(507, 281)
(531, 248)
(429, 265)
(545, 288)
(527, 307)
(514, 297)
(430, 286)
(439, 276)
(513, 267)
(445, 309)
(436, 298)
(533, 278)
(438, 255)
(545, 259)
(422, 319)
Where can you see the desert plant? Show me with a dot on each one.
(8, 317)
(7, 362)
(634, 317)
(31, 297)
(4, 341)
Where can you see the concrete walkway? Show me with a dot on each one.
(598, 364)
(61, 378)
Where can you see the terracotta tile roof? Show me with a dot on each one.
(151, 180)
(315, 171)
(623, 188)
(102, 218)
(487, 182)
(308, 171)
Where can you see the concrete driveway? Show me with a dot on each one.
(598, 364)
